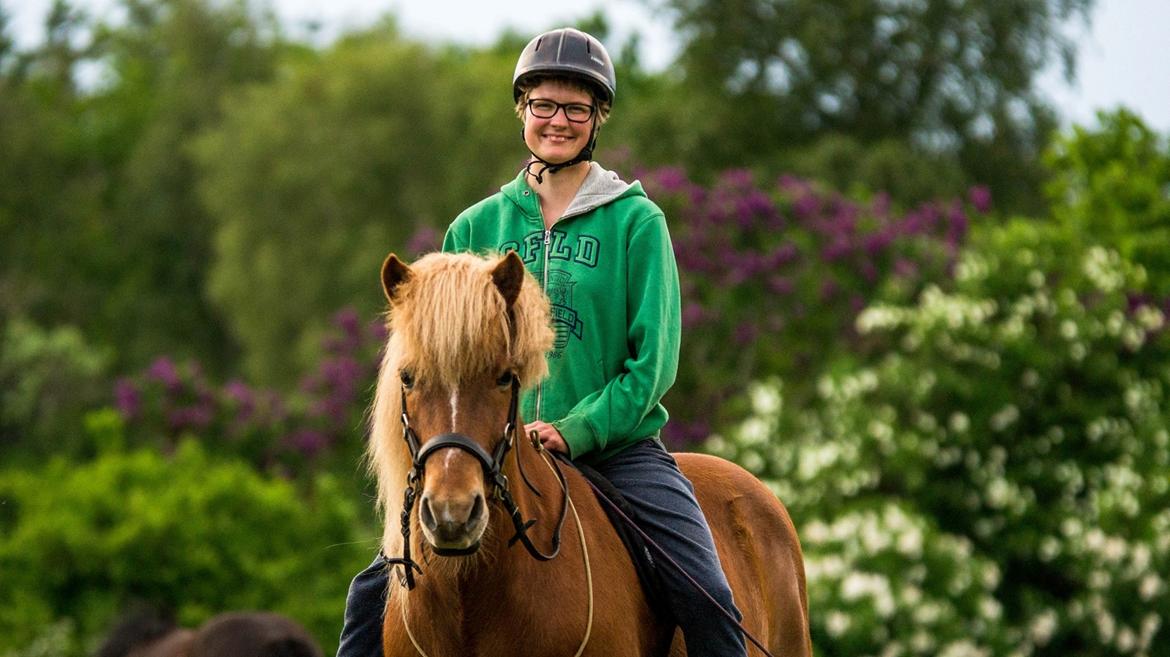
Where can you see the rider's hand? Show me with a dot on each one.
(548, 435)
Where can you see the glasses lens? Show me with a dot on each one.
(543, 109)
(577, 112)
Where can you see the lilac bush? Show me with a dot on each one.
(774, 275)
(320, 420)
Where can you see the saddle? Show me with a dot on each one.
(644, 563)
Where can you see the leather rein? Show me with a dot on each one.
(493, 465)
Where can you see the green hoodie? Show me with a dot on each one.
(608, 268)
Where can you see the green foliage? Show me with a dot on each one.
(316, 176)
(1111, 185)
(49, 379)
(81, 541)
(995, 482)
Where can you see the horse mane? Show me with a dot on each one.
(447, 323)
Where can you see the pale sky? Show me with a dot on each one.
(1122, 57)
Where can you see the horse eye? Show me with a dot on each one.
(407, 379)
(505, 379)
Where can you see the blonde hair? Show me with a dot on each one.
(533, 81)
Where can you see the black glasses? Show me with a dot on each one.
(546, 109)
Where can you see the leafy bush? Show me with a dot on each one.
(996, 483)
(79, 542)
(1111, 186)
(49, 379)
(774, 276)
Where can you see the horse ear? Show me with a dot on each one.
(509, 276)
(394, 273)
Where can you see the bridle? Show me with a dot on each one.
(493, 465)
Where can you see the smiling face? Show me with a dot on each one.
(557, 139)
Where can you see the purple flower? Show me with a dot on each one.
(164, 371)
(243, 397)
(980, 198)
(308, 442)
(745, 333)
(692, 315)
(127, 398)
(671, 179)
(424, 240)
(781, 285)
(905, 268)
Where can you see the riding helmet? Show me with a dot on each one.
(566, 51)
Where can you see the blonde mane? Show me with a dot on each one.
(448, 322)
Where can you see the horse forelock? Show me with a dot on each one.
(448, 324)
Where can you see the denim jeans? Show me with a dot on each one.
(649, 478)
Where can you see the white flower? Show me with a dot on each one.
(959, 422)
(836, 623)
(1042, 627)
(1150, 586)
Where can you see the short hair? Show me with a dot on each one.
(531, 82)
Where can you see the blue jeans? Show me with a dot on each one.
(649, 478)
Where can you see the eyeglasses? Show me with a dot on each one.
(546, 109)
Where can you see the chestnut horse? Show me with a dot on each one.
(146, 633)
(465, 334)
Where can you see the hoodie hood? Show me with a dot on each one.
(600, 187)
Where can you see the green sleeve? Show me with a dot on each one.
(615, 414)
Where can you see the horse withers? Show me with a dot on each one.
(460, 490)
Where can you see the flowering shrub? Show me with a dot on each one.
(773, 277)
(322, 419)
(996, 483)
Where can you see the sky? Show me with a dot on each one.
(1117, 53)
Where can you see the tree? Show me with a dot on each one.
(1110, 186)
(315, 177)
(945, 76)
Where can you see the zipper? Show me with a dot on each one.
(544, 288)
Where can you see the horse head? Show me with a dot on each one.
(465, 334)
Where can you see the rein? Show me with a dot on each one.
(493, 472)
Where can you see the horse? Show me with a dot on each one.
(465, 334)
(147, 633)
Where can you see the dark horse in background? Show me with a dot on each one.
(466, 334)
(147, 633)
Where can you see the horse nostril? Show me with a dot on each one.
(476, 510)
(425, 515)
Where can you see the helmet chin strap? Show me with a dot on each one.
(585, 155)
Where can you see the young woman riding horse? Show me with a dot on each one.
(466, 357)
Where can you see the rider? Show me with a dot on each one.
(602, 251)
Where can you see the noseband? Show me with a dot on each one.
(492, 464)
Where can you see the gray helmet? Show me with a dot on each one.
(570, 52)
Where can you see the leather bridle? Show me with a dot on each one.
(492, 464)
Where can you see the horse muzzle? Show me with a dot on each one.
(453, 527)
